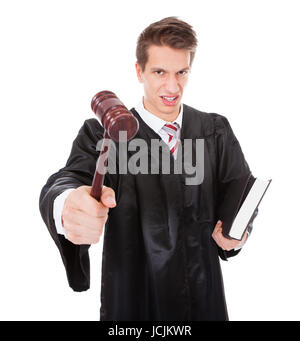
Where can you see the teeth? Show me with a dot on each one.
(169, 98)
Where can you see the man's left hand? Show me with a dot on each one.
(226, 243)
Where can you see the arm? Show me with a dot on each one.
(231, 165)
(79, 171)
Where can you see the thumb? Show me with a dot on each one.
(108, 197)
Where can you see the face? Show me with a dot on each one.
(164, 78)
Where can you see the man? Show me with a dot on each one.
(162, 237)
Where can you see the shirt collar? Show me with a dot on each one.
(154, 122)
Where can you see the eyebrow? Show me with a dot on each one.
(161, 69)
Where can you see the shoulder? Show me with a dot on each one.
(210, 122)
(92, 124)
(92, 128)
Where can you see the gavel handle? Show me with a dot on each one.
(101, 168)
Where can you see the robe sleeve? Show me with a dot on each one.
(231, 165)
(79, 170)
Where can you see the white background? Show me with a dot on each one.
(55, 55)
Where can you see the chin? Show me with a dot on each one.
(170, 109)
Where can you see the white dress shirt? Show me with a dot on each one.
(154, 122)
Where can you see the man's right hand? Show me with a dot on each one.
(83, 217)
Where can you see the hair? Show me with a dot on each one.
(171, 32)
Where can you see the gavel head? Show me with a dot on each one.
(113, 114)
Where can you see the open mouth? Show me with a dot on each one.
(169, 100)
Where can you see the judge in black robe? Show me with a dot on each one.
(159, 259)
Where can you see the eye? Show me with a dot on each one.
(182, 72)
(159, 72)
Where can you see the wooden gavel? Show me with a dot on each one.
(115, 118)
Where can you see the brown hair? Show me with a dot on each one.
(171, 32)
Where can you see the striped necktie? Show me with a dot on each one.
(172, 130)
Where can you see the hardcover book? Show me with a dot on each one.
(239, 205)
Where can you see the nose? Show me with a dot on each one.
(172, 84)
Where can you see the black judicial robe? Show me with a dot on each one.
(159, 260)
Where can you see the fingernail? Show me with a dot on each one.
(111, 200)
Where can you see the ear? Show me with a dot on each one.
(139, 72)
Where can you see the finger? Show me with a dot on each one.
(80, 240)
(108, 197)
(82, 200)
(225, 243)
(78, 217)
(218, 227)
(82, 231)
(245, 237)
(217, 236)
(73, 227)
